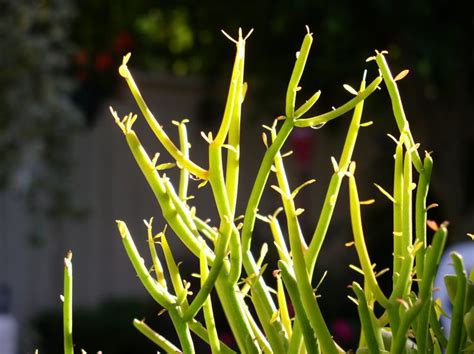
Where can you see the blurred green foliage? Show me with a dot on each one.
(184, 36)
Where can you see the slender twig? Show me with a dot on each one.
(184, 147)
(371, 333)
(335, 185)
(156, 338)
(397, 106)
(457, 330)
(207, 307)
(360, 245)
(156, 127)
(67, 305)
(339, 111)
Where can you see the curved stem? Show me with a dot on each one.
(398, 110)
(346, 107)
(261, 297)
(335, 185)
(155, 337)
(158, 187)
(182, 329)
(155, 289)
(157, 266)
(206, 288)
(260, 182)
(296, 74)
(157, 128)
(360, 245)
(198, 329)
(374, 341)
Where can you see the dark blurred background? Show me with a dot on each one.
(66, 174)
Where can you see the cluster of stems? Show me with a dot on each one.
(258, 314)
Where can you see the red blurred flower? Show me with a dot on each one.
(103, 61)
(123, 43)
(81, 58)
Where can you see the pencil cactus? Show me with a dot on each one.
(408, 320)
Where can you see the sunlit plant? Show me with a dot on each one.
(404, 321)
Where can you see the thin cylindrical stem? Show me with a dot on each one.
(374, 340)
(201, 331)
(397, 212)
(156, 338)
(335, 186)
(296, 74)
(184, 173)
(360, 245)
(301, 317)
(398, 110)
(67, 305)
(157, 266)
(157, 128)
(154, 288)
(339, 111)
(207, 309)
(421, 212)
(183, 331)
(403, 284)
(457, 330)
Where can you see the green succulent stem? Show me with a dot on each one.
(433, 257)
(457, 330)
(207, 309)
(302, 320)
(361, 248)
(156, 338)
(293, 85)
(258, 316)
(157, 266)
(261, 297)
(156, 290)
(183, 331)
(397, 212)
(421, 212)
(235, 314)
(202, 332)
(298, 247)
(397, 107)
(335, 185)
(67, 305)
(207, 286)
(157, 185)
(339, 111)
(370, 330)
(403, 282)
(184, 173)
(156, 127)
